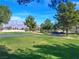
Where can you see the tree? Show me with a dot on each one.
(30, 23)
(47, 25)
(53, 3)
(76, 22)
(65, 15)
(5, 14)
(67, 6)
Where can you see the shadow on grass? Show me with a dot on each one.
(65, 51)
(18, 54)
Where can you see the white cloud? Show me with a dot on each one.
(17, 18)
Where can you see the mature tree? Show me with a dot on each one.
(62, 15)
(5, 14)
(76, 22)
(53, 3)
(65, 15)
(30, 23)
(67, 6)
(47, 25)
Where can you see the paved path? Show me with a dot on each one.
(13, 35)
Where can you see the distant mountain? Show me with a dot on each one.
(15, 24)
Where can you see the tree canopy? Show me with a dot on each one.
(53, 3)
(67, 15)
(5, 14)
(47, 25)
(30, 22)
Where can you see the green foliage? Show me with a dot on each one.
(66, 15)
(56, 26)
(53, 3)
(5, 14)
(76, 16)
(30, 23)
(47, 25)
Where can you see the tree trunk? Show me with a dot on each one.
(63, 30)
(76, 30)
(66, 32)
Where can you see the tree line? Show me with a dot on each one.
(66, 16)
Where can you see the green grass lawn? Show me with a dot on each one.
(41, 47)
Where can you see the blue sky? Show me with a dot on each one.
(40, 11)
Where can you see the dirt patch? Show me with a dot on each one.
(43, 42)
(68, 37)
